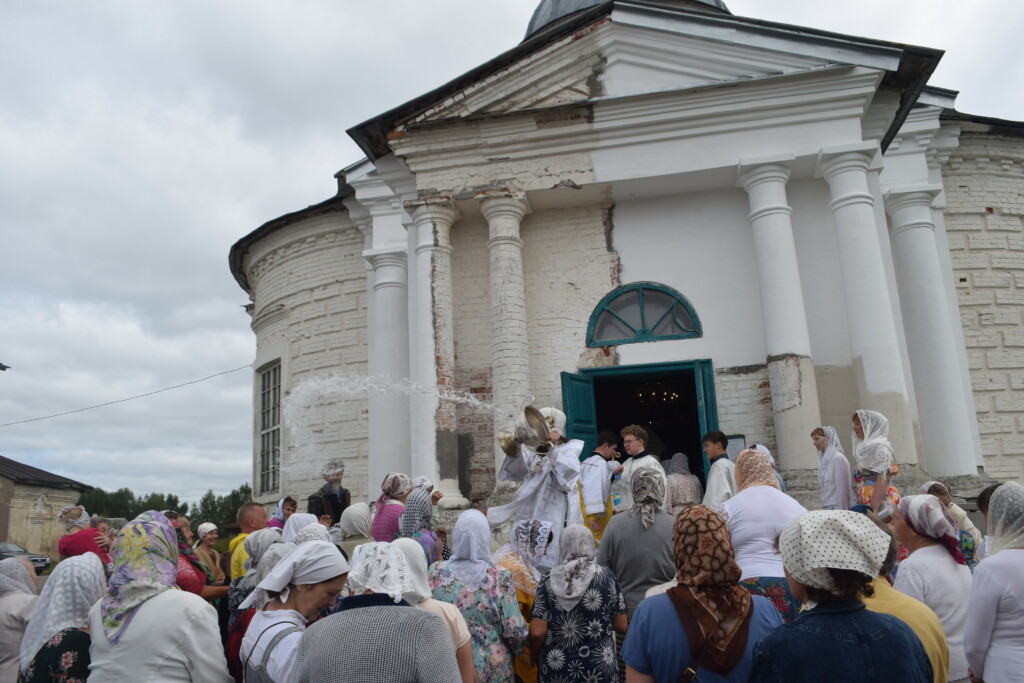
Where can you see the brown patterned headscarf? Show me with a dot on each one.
(709, 587)
(753, 468)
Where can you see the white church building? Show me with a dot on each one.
(654, 212)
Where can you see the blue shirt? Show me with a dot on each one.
(656, 644)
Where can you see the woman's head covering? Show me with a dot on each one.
(680, 464)
(278, 512)
(522, 555)
(648, 495)
(418, 513)
(576, 569)
(65, 516)
(271, 557)
(204, 528)
(832, 445)
(708, 578)
(313, 562)
(15, 576)
(555, 419)
(924, 488)
(70, 591)
(313, 532)
(185, 550)
(356, 521)
(820, 540)
(295, 524)
(761, 448)
(381, 568)
(873, 452)
(1006, 516)
(395, 485)
(422, 483)
(257, 543)
(754, 469)
(145, 561)
(416, 563)
(927, 516)
(471, 552)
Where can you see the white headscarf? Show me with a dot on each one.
(573, 576)
(312, 562)
(832, 539)
(82, 521)
(764, 449)
(416, 562)
(471, 554)
(296, 523)
(381, 568)
(355, 521)
(75, 585)
(14, 576)
(832, 445)
(257, 543)
(205, 528)
(271, 557)
(422, 483)
(1006, 516)
(873, 452)
(313, 532)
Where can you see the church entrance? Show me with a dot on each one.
(674, 402)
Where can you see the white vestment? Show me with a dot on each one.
(596, 483)
(721, 482)
(549, 491)
(624, 486)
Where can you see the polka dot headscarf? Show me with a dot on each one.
(832, 539)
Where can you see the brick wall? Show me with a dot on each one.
(745, 403)
(984, 185)
(313, 272)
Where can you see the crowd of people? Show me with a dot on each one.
(612, 571)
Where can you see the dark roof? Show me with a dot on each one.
(916, 66)
(549, 12)
(971, 123)
(20, 473)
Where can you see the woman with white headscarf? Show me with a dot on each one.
(577, 591)
(295, 524)
(208, 537)
(417, 523)
(17, 600)
(485, 595)
(970, 536)
(756, 516)
(304, 582)
(833, 470)
(683, 487)
(935, 572)
(255, 545)
(419, 595)
(56, 642)
(831, 558)
(354, 528)
(876, 462)
(994, 636)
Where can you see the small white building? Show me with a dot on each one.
(649, 211)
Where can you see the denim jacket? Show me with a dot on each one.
(841, 644)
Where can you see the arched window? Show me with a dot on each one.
(642, 312)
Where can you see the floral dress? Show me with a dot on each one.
(497, 629)
(864, 483)
(63, 659)
(580, 645)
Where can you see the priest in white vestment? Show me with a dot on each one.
(550, 489)
(634, 441)
(596, 474)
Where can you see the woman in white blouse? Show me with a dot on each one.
(17, 599)
(994, 637)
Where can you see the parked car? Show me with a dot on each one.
(40, 562)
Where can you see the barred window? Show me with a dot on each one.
(270, 429)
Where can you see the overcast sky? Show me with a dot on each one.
(138, 141)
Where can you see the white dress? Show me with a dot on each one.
(549, 491)
(283, 664)
(172, 638)
(756, 516)
(994, 637)
(721, 482)
(624, 486)
(932, 576)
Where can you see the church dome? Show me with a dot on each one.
(550, 11)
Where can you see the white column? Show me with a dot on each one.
(510, 350)
(790, 368)
(942, 406)
(878, 370)
(434, 435)
(389, 337)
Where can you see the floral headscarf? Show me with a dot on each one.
(418, 513)
(70, 592)
(471, 554)
(395, 485)
(709, 579)
(523, 553)
(927, 516)
(14, 576)
(381, 568)
(873, 452)
(754, 469)
(1006, 516)
(145, 559)
(572, 577)
(648, 495)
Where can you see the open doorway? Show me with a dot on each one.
(674, 402)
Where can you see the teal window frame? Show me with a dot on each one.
(646, 332)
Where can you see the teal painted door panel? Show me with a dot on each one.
(580, 410)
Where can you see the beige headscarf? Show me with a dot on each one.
(753, 468)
